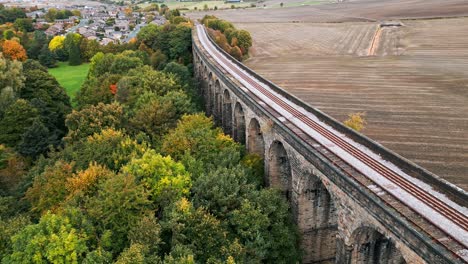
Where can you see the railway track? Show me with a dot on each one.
(450, 219)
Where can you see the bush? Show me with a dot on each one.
(356, 121)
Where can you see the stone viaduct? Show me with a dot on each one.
(340, 218)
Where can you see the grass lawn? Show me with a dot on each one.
(70, 77)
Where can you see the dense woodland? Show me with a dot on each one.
(134, 173)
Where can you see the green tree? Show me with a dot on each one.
(88, 48)
(74, 55)
(119, 204)
(166, 179)
(180, 71)
(9, 227)
(47, 58)
(244, 40)
(18, 117)
(92, 119)
(48, 97)
(199, 145)
(96, 90)
(264, 225)
(35, 140)
(11, 82)
(110, 148)
(180, 42)
(39, 40)
(24, 24)
(71, 45)
(52, 240)
(8, 34)
(155, 115)
(200, 232)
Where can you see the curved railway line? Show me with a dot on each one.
(448, 218)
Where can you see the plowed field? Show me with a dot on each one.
(411, 81)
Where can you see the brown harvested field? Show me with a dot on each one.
(414, 91)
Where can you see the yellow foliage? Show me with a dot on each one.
(356, 121)
(56, 43)
(184, 205)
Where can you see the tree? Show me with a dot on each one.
(264, 225)
(155, 115)
(12, 170)
(236, 53)
(165, 179)
(244, 40)
(11, 82)
(85, 183)
(72, 46)
(56, 43)
(48, 97)
(49, 190)
(180, 71)
(222, 190)
(24, 24)
(18, 117)
(356, 121)
(110, 148)
(88, 48)
(47, 58)
(35, 140)
(180, 42)
(92, 119)
(120, 203)
(37, 44)
(13, 50)
(75, 55)
(200, 232)
(53, 240)
(196, 136)
(8, 34)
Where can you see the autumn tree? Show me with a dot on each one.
(13, 50)
(56, 43)
(93, 119)
(165, 179)
(356, 121)
(199, 145)
(49, 190)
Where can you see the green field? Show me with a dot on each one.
(70, 77)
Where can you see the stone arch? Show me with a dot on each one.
(369, 246)
(209, 95)
(255, 143)
(279, 169)
(239, 124)
(217, 109)
(317, 219)
(227, 113)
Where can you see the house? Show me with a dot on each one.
(54, 30)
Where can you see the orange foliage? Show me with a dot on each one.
(86, 181)
(13, 50)
(113, 88)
